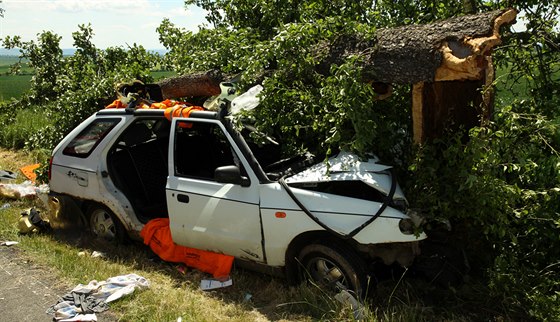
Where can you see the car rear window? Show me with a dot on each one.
(85, 142)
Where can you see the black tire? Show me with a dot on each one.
(333, 268)
(104, 225)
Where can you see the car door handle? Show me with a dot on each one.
(183, 198)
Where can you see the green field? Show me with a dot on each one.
(13, 86)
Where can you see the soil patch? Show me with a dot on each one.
(28, 289)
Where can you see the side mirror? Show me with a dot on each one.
(231, 174)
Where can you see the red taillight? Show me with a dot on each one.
(50, 168)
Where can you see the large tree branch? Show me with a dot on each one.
(198, 84)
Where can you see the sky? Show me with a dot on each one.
(114, 22)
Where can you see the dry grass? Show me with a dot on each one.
(13, 160)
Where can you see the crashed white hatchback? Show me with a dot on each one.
(123, 167)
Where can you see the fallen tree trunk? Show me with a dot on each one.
(453, 49)
(198, 84)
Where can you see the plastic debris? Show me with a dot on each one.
(211, 284)
(29, 171)
(94, 254)
(6, 175)
(22, 190)
(81, 317)
(8, 243)
(97, 254)
(5, 206)
(346, 298)
(246, 101)
(247, 297)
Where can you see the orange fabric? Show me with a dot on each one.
(29, 171)
(172, 108)
(157, 235)
(116, 104)
(180, 111)
(167, 103)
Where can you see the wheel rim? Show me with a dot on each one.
(326, 272)
(102, 225)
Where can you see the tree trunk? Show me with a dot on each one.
(452, 49)
(199, 84)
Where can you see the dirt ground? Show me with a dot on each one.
(28, 289)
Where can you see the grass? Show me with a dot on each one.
(253, 297)
(26, 123)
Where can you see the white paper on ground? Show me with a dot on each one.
(211, 284)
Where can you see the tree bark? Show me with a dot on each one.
(452, 49)
(198, 84)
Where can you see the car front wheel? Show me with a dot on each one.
(333, 268)
(105, 225)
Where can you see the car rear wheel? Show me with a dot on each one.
(105, 225)
(333, 268)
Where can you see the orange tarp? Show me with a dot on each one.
(157, 235)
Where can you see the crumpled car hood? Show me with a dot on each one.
(347, 166)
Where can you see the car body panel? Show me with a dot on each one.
(349, 167)
(223, 218)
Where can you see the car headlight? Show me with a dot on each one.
(406, 226)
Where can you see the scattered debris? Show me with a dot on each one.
(6, 175)
(247, 297)
(246, 101)
(5, 206)
(8, 243)
(31, 222)
(97, 254)
(84, 301)
(94, 254)
(346, 298)
(22, 190)
(211, 284)
(29, 171)
(81, 317)
(182, 269)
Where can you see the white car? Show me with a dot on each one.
(123, 167)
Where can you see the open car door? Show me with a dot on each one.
(222, 217)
